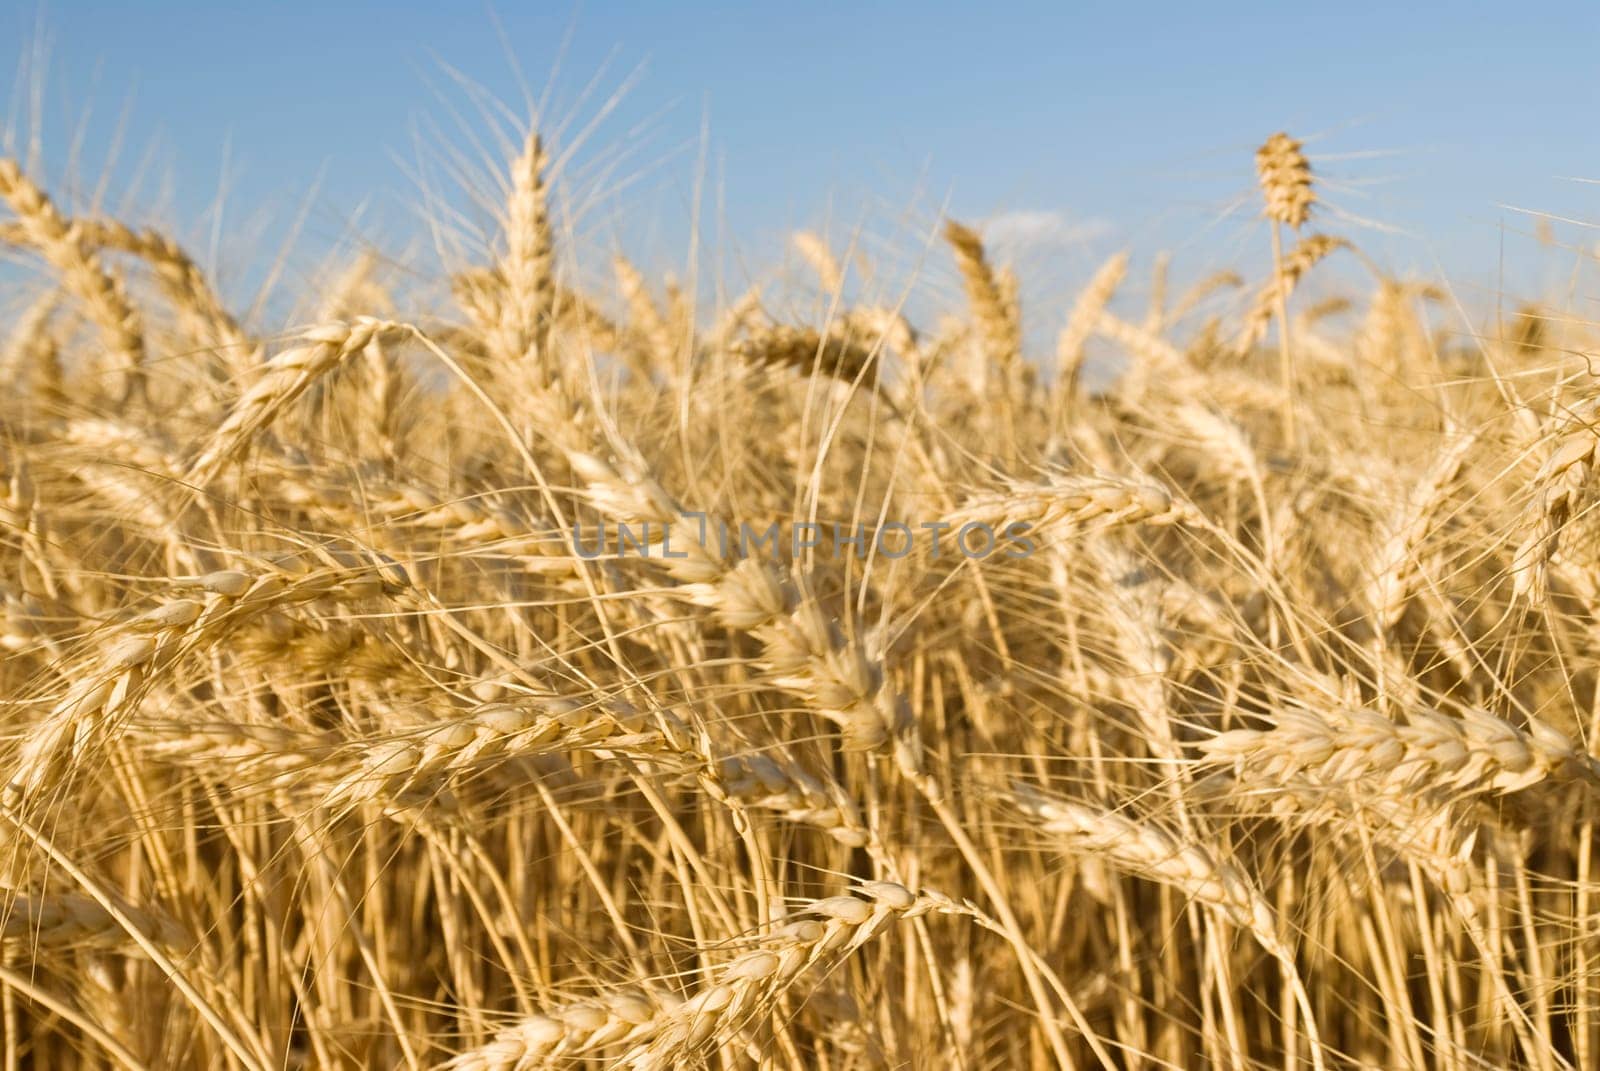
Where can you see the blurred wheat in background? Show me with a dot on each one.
(323, 745)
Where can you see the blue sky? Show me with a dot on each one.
(1074, 129)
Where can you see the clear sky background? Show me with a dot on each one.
(1072, 129)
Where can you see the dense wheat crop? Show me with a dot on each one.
(501, 671)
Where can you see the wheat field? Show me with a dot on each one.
(493, 671)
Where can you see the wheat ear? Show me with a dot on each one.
(528, 267)
(1070, 504)
(283, 379)
(997, 321)
(814, 250)
(1289, 271)
(184, 282)
(809, 351)
(63, 246)
(574, 1031)
(1429, 752)
(1080, 325)
(1559, 486)
(823, 932)
(1148, 850)
(1400, 552)
(108, 684)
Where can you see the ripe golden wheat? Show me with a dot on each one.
(406, 689)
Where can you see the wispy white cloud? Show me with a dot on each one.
(1041, 230)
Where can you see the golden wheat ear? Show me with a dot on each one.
(1285, 177)
(63, 245)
